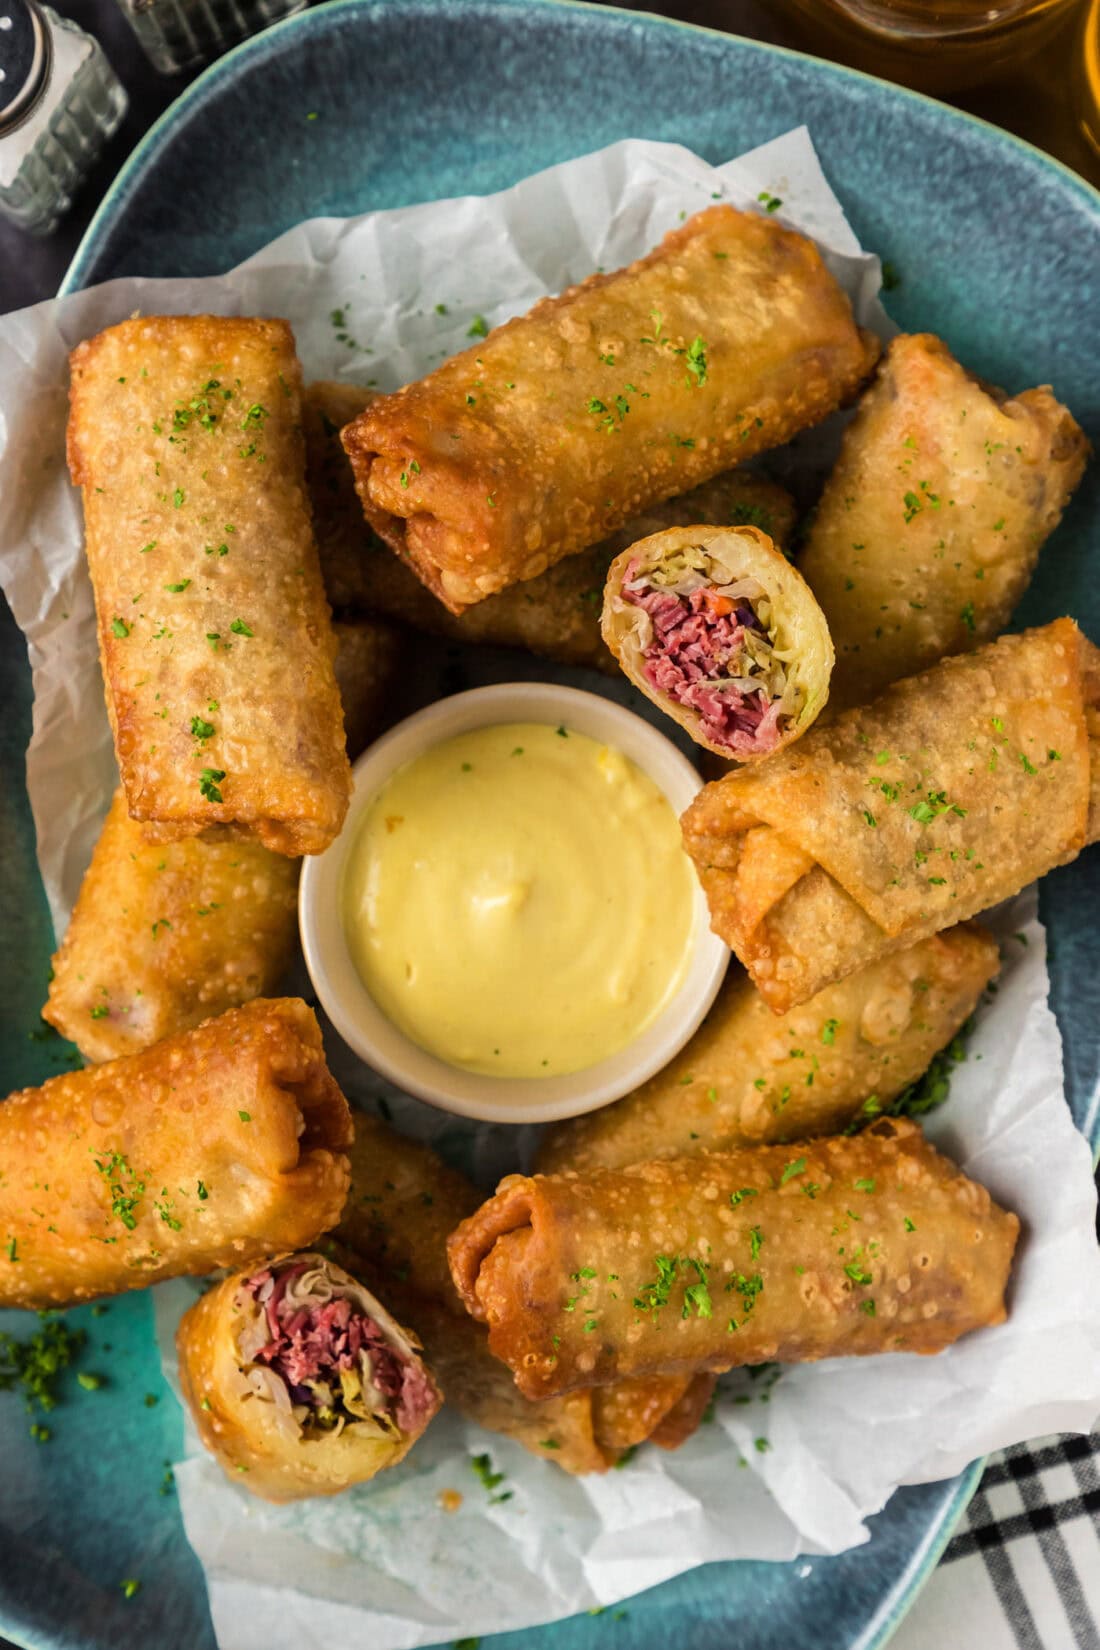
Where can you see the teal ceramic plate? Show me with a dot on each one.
(997, 249)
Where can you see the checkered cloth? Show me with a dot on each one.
(1022, 1572)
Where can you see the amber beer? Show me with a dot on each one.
(937, 47)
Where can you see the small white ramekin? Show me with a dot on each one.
(376, 1039)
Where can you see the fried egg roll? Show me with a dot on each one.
(719, 630)
(747, 1077)
(299, 1380)
(403, 1203)
(213, 1148)
(214, 633)
(368, 654)
(166, 935)
(930, 526)
(565, 423)
(557, 614)
(839, 1247)
(952, 791)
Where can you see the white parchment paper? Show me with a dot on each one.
(787, 1466)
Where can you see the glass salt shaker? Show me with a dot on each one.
(178, 34)
(59, 103)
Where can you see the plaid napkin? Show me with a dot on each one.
(1022, 1572)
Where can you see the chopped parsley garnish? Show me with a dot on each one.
(858, 1274)
(245, 1116)
(201, 729)
(867, 1307)
(478, 328)
(482, 1468)
(119, 628)
(829, 1031)
(209, 781)
(770, 202)
(864, 1185)
(239, 628)
(934, 804)
(695, 360)
(178, 497)
(130, 1586)
(756, 1241)
(201, 1192)
(736, 1198)
(124, 1186)
(966, 614)
(656, 1294)
(1026, 765)
(177, 589)
(792, 1169)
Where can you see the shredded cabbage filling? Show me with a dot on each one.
(316, 1351)
(710, 645)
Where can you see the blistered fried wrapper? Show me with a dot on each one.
(386, 1563)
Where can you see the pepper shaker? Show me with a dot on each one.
(178, 34)
(59, 103)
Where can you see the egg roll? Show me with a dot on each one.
(931, 524)
(952, 791)
(557, 614)
(839, 1247)
(215, 1147)
(299, 1381)
(214, 634)
(368, 656)
(562, 425)
(748, 1078)
(718, 629)
(166, 935)
(403, 1203)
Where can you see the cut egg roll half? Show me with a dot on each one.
(300, 1381)
(719, 630)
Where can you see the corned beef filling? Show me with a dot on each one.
(703, 655)
(311, 1344)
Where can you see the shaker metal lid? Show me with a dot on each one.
(25, 53)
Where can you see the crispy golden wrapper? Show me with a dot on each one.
(166, 935)
(245, 1410)
(739, 1257)
(557, 614)
(930, 525)
(747, 1077)
(562, 425)
(403, 1204)
(368, 654)
(210, 1149)
(184, 434)
(793, 675)
(952, 791)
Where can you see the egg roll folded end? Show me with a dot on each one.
(951, 791)
(717, 628)
(299, 1381)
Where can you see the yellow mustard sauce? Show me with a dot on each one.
(517, 900)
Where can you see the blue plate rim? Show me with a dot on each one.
(145, 151)
(880, 1628)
